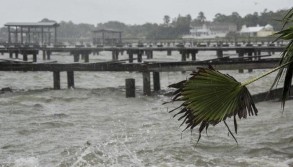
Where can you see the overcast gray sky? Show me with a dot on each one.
(127, 11)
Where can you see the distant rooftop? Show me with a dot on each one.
(246, 29)
(107, 30)
(32, 24)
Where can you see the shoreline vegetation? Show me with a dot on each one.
(168, 29)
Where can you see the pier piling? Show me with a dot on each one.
(130, 87)
(86, 57)
(250, 58)
(44, 55)
(130, 54)
(240, 55)
(156, 80)
(56, 80)
(193, 56)
(183, 56)
(34, 57)
(219, 53)
(48, 55)
(70, 79)
(24, 56)
(146, 83)
(76, 57)
(139, 57)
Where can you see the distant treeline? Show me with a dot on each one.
(170, 28)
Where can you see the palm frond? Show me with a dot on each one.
(210, 97)
(288, 17)
(287, 57)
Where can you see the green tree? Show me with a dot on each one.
(201, 17)
(166, 19)
(210, 97)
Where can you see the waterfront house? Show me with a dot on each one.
(210, 31)
(257, 31)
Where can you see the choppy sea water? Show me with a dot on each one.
(95, 125)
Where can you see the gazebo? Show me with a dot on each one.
(27, 32)
(107, 37)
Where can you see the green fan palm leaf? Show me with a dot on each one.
(287, 57)
(210, 97)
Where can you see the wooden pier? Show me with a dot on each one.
(145, 68)
(252, 60)
(84, 52)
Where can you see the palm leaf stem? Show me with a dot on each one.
(265, 74)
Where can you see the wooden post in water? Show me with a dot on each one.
(116, 55)
(187, 55)
(183, 56)
(259, 54)
(56, 80)
(146, 83)
(82, 56)
(113, 55)
(70, 79)
(24, 56)
(35, 57)
(193, 56)
(75, 57)
(219, 53)
(169, 52)
(139, 56)
(86, 57)
(250, 58)
(16, 55)
(130, 87)
(130, 54)
(148, 54)
(44, 55)
(156, 80)
(240, 55)
(48, 55)
(151, 54)
(11, 55)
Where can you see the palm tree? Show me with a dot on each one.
(210, 97)
(166, 19)
(201, 17)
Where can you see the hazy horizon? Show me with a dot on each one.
(128, 11)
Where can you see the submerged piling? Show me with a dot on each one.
(146, 83)
(130, 87)
(70, 79)
(156, 80)
(56, 80)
